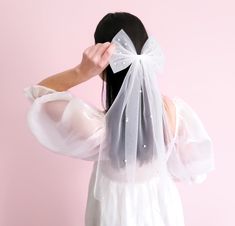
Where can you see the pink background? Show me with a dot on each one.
(41, 38)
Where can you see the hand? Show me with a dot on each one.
(95, 59)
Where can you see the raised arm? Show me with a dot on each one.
(64, 80)
(62, 122)
(94, 61)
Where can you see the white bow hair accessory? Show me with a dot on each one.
(125, 53)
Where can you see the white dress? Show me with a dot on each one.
(67, 125)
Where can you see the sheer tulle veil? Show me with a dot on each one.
(137, 132)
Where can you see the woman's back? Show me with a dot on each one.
(143, 135)
(77, 132)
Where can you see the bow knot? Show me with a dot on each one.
(139, 56)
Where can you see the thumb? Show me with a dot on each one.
(107, 54)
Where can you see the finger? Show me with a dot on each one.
(91, 50)
(101, 49)
(107, 54)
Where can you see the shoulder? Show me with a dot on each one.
(170, 109)
(168, 103)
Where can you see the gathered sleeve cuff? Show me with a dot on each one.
(64, 123)
(192, 157)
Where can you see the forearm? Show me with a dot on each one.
(64, 80)
(90, 66)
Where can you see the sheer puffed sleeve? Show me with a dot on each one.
(193, 156)
(64, 123)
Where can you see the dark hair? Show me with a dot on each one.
(106, 29)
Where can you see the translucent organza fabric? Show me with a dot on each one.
(59, 122)
(67, 125)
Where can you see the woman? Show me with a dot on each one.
(68, 125)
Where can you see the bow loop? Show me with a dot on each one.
(125, 53)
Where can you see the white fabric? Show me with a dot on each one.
(138, 138)
(59, 122)
(67, 125)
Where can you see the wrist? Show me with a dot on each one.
(79, 74)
